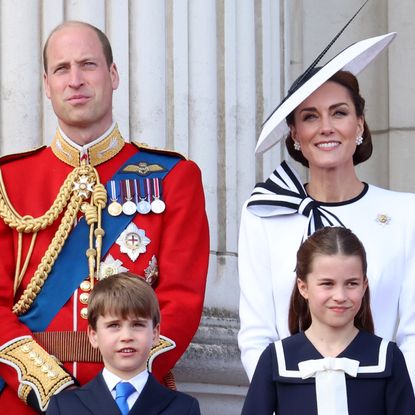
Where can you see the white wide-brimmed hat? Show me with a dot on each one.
(354, 59)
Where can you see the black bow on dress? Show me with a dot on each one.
(284, 194)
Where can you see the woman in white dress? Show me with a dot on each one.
(327, 133)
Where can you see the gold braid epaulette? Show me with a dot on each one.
(77, 186)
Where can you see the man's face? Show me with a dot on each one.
(78, 81)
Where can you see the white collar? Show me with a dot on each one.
(138, 381)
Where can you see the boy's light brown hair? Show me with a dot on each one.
(123, 295)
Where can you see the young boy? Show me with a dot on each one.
(124, 323)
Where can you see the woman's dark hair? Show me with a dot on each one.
(364, 150)
(327, 241)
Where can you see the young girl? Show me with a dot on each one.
(332, 364)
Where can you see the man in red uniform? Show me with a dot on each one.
(86, 207)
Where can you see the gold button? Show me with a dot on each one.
(85, 286)
(26, 348)
(32, 355)
(84, 313)
(46, 368)
(83, 298)
(52, 375)
(39, 362)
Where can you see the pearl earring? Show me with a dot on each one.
(359, 140)
(297, 145)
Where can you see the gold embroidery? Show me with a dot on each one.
(37, 370)
(97, 154)
(165, 344)
(143, 168)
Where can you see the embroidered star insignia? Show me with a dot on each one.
(133, 241)
(110, 266)
(151, 273)
(83, 187)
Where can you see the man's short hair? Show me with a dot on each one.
(105, 43)
(124, 295)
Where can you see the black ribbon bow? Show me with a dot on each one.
(284, 194)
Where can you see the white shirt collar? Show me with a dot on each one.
(138, 381)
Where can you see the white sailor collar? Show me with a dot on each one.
(371, 351)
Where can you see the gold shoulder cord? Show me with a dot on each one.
(82, 183)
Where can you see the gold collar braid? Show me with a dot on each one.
(82, 184)
(99, 153)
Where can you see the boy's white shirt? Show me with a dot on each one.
(138, 381)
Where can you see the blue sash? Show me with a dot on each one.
(71, 265)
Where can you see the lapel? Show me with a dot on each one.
(153, 399)
(96, 396)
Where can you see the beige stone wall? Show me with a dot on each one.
(402, 96)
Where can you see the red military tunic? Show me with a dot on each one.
(178, 240)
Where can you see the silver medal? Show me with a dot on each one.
(158, 206)
(143, 207)
(129, 207)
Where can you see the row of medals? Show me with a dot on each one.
(130, 208)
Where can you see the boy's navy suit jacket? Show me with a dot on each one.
(94, 398)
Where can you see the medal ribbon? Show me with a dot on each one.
(148, 187)
(122, 187)
(128, 195)
(135, 191)
(156, 188)
(113, 190)
(143, 195)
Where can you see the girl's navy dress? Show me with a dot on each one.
(382, 385)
